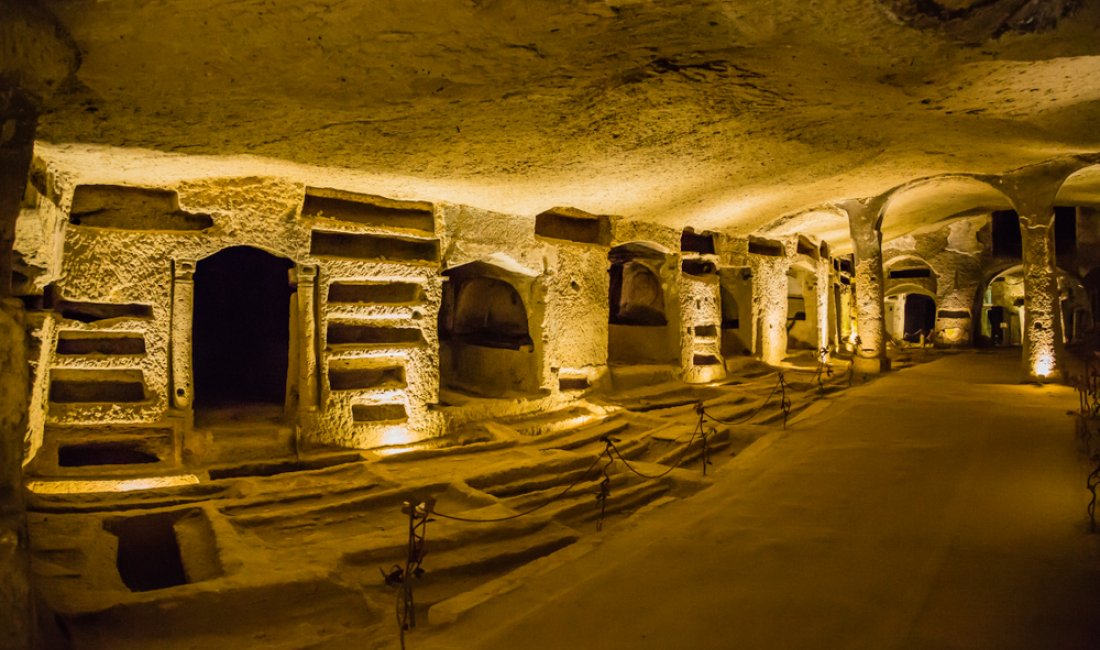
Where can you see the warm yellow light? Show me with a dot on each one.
(115, 485)
(1043, 365)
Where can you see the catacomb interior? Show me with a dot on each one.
(284, 281)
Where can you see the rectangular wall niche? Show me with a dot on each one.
(165, 549)
(355, 374)
(96, 386)
(904, 274)
(388, 293)
(379, 413)
(132, 208)
(765, 247)
(953, 313)
(76, 342)
(574, 225)
(90, 312)
(692, 242)
(359, 334)
(114, 452)
(374, 247)
(368, 209)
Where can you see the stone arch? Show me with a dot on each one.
(1003, 289)
(934, 199)
(486, 342)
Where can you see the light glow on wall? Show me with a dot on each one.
(116, 485)
(1043, 365)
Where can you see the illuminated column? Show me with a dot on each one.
(865, 226)
(769, 299)
(824, 289)
(1032, 191)
(183, 303)
(307, 342)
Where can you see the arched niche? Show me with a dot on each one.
(735, 292)
(241, 328)
(802, 306)
(909, 312)
(486, 343)
(640, 328)
(909, 271)
(1001, 305)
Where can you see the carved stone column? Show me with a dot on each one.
(183, 305)
(308, 398)
(1032, 191)
(865, 226)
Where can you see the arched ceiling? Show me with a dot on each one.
(710, 113)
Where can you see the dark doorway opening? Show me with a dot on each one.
(920, 317)
(241, 344)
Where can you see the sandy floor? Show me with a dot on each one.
(938, 507)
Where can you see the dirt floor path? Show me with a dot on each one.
(942, 506)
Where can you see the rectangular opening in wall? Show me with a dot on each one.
(132, 208)
(845, 280)
(374, 247)
(105, 453)
(845, 265)
(90, 312)
(94, 386)
(359, 334)
(1065, 230)
(367, 209)
(902, 274)
(706, 331)
(573, 225)
(693, 242)
(388, 293)
(765, 247)
(363, 375)
(1007, 241)
(953, 313)
(379, 413)
(805, 247)
(698, 267)
(577, 382)
(149, 555)
(705, 360)
(76, 342)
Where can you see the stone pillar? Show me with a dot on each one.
(183, 305)
(824, 319)
(769, 301)
(865, 226)
(307, 342)
(701, 318)
(1032, 191)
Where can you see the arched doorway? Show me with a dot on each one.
(919, 318)
(241, 331)
(485, 340)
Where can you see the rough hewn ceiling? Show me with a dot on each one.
(704, 113)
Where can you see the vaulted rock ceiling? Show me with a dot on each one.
(737, 114)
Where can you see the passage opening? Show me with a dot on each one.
(241, 328)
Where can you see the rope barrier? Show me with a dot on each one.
(754, 412)
(1092, 483)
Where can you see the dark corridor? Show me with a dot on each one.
(241, 328)
(920, 317)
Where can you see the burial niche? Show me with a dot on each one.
(485, 340)
(241, 345)
(639, 329)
